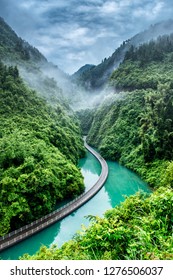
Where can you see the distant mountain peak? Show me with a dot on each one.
(84, 68)
(96, 77)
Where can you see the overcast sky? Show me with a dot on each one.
(71, 33)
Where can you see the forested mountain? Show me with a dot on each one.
(40, 144)
(96, 77)
(14, 48)
(39, 149)
(40, 139)
(77, 76)
(134, 127)
(44, 77)
(139, 229)
(137, 128)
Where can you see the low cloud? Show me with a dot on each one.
(75, 32)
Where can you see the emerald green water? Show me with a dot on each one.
(121, 182)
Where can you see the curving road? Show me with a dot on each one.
(22, 233)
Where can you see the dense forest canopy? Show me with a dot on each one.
(146, 66)
(14, 48)
(40, 145)
(39, 149)
(135, 129)
(96, 77)
(39, 74)
(138, 229)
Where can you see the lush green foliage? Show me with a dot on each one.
(15, 48)
(137, 129)
(146, 67)
(39, 148)
(34, 68)
(140, 228)
(97, 76)
(86, 118)
(40, 145)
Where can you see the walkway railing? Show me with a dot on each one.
(24, 232)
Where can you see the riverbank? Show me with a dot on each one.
(120, 183)
(22, 233)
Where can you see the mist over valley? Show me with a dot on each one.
(122, 102)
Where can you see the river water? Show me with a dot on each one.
(121, 182)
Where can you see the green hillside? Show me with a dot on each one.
(39, 149)
(136, 130)
(16, 48)
(96, 77)
(40, 145)
(39, 74)
(138, 229)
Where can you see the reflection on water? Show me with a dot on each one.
(91, 169)
(121, 182)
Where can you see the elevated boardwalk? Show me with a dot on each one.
(26, 231)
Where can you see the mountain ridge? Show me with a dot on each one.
(12, 41)
(86, 87)
(98, 76)
(39, 74)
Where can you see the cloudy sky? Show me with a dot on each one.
(71, 33)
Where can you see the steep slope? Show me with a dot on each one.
(97, 76)
(15, 48)
(134, 127)
(137, 127)
(77, 76)
(49, 81)
(39, 150)
(138, 229)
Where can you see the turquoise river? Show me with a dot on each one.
(120, 183)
